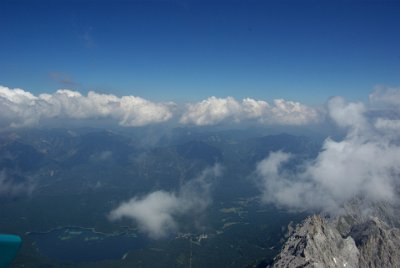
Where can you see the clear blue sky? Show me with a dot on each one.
(189, 50)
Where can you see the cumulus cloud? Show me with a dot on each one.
(349, 115)
(211, 111)
(156, 213)
(21, 108)
(366, 163)
(214, 110)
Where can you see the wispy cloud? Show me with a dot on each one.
(87, 37)
(385, 96)
(10, 187)
(156, 213)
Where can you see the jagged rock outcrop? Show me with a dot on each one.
(359, 211)
(315, 243)
(379, 245)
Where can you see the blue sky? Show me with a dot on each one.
(189, 50)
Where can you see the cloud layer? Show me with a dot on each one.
(156, 213)
(365, 163)
(20, 108)
(217, 110)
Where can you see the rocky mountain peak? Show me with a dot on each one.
(318, 243)
(378, 244)
(315, 243)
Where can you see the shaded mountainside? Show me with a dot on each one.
(318, 243)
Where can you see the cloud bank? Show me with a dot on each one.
(217, 110)
(156, 213)
(20, 108)
(365, 163)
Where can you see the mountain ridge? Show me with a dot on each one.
(319, 242)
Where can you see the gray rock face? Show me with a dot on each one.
(359, 211)
(317, 242)
(379, 245)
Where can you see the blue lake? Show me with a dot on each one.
(84, 245)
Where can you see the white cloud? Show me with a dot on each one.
(211, 111)
(347, 114)
(365, 163)
(388, 124)
(290, 113)
(385, 96)
(214, 110)
(254, 108)
(156, 213)
(21, 108)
